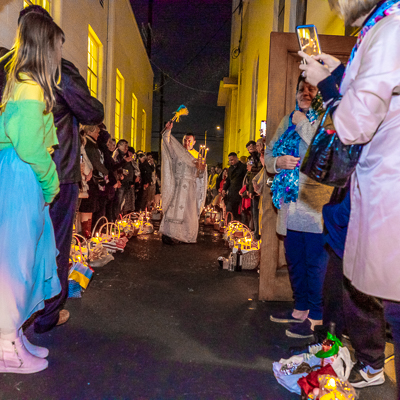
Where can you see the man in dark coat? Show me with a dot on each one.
(120, 155)
(256, 167)
(146, 172)
(74, 105)
(233, 184)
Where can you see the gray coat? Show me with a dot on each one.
(306, 214)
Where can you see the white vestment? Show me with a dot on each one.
(183, 191)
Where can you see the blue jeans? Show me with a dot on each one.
(307, 261)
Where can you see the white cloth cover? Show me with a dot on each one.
(183, 191)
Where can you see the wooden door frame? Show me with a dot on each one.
(274, 281)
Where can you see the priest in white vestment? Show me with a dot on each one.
(184, 189)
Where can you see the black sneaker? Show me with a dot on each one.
(301, 331)
(285, 317)
(167, 240)
(361, 377)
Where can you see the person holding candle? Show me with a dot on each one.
(299, 201)
(184, 182)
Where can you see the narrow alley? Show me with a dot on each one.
(163, 322)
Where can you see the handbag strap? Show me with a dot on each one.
(333, 104)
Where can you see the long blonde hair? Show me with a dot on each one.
(35, 54)
(351, 10)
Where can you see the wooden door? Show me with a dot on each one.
(283, 74)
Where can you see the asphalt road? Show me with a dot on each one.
(163, 322)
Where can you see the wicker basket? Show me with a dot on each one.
(251, 259)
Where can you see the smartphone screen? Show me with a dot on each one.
(308, 39)
(263, 130)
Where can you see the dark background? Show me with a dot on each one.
(191, 44)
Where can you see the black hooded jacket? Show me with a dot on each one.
(74, 105)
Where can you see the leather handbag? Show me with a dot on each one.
(328, 160)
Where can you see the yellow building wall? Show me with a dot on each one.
(326, 21)
(75, 20)
(122, 48)
(9, 11)
(257, 23)
(259, 19)
(131, 59)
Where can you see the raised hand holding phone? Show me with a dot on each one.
(313, 71)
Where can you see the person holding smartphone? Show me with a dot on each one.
(369, 113)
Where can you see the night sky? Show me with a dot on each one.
(181, 28)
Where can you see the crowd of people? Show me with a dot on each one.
(116, 180)
(339, 243)
(232, 190)
(54, 150)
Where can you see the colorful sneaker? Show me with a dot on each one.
(361, 376)
(285, 317)
(301, 331)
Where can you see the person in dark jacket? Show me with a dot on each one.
(90, 205)
(256, 167)
(120, 155)
(74, 105)
(236, 173)
(146, 173)
(107, 196)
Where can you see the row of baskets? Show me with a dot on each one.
(98, 251)
(235, 234)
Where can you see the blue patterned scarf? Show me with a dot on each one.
(285, 187)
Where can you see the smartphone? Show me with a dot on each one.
(263, 130)
(308, 39)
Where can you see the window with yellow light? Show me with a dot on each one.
(42, 3)
(119, 105)
(94, 66)
(133, 121)
(144, 117)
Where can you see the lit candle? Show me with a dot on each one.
(205, 155)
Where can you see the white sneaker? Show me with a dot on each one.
(37, 351)
(15, 358)
(361, 376)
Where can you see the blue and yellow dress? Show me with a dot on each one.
(28, 180)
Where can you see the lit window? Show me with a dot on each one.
(119, 105)
(93, 71)
(143, 130)
(43, 3)
(133, 121)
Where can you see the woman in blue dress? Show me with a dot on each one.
(28, 184)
